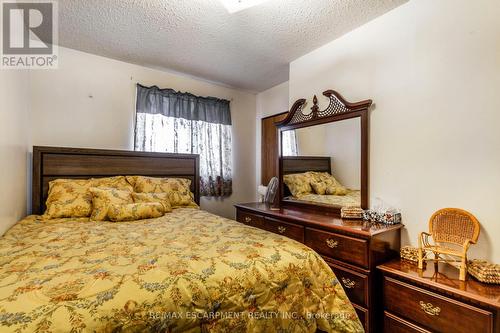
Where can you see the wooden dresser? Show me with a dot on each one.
(435, 300)
(352, 248)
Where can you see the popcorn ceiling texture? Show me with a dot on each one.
(250, 49)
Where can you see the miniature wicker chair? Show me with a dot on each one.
(453, 230)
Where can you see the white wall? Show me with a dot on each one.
(311, 141)
(90, 102)
(341, 141)
(433, 71)
(269, 102)
(14, 137)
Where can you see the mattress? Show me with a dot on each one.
(189, 271)
(351, 199)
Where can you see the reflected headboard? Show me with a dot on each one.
(299, 164)
(51, 163)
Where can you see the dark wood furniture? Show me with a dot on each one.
(270, 147)
(51, 163)
(435, 300)
(298, 164)
(352, 248)
(338, 109)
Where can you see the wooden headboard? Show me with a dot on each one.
(51, 163)
(299, 164)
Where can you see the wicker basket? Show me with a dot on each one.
(409, 253)
(484, 271)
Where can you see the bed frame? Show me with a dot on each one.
(299, 164)
(51, 163)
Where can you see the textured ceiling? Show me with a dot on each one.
(250, 49)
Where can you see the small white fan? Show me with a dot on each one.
(272, 188)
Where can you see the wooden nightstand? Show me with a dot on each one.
(435, 300)
(352, 248)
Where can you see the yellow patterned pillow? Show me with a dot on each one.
(68, 198)
(298, 184)
(325, 183)
(136, 211)
(119, 182)
(162, 198)
(178, 188)
(319, 187)
(103, 198)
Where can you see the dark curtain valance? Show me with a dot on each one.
(171, 103)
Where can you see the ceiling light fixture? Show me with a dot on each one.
(234, 6)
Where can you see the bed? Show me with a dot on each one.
(188, 271)
(302, 164)
(351, 199)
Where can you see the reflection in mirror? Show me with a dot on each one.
(321, 164)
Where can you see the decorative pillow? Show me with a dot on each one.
(68, 198)
(298, 184)
(325, 183)
(118, 182)
(103, 198)
(143, 184)
(162, 198)
(319, 187)
(136, 211)
(178, 188)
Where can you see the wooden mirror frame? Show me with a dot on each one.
(338, 109)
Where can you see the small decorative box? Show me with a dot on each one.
(388, 217)
(351, 213)
(409, 253)
(484, 271)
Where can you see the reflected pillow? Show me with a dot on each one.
(324, 183)
(298, 184)
(135, 211)
(178, 188)
(103, 198)
(162, 198)
(68, 198)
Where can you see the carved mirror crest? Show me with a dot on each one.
(331, 144)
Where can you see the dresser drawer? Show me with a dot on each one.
(363, 316)
(344, 248)
(250, 219)
(289, 230)
(394, 324)
(433, 311)
(355, 284)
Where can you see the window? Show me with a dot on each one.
(173, 122)
(289, 143)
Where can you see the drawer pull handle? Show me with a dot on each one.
(332, 243)
(430, 309)
(348, 283)
(281, 229)
(248, 219)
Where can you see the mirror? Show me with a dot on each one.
(323, 161)
(330, 156)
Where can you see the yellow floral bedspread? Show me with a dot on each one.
(189, 271)
(351, 199)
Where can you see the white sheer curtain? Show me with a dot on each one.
(212, 142)
(182, 123)
(289, 143)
